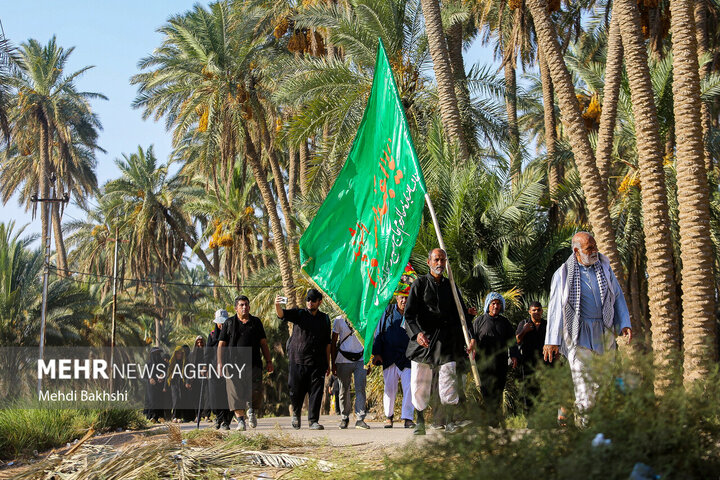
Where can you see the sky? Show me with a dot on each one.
(113, 36)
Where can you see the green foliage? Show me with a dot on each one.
(24, 428)
(677, 434)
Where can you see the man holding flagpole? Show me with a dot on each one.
(357, 245)
(436, 339)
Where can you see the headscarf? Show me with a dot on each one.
(493, 296)
(173, 361)
(406, 279)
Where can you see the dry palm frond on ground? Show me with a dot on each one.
(166, 459)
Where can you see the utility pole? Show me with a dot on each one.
(47, 205)
(114, 310)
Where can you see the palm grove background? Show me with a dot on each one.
(615, 131)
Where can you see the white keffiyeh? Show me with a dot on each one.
(571, 312)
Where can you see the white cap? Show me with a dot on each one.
(220, 316)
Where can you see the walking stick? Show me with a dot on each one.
(202, 383)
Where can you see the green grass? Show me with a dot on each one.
(23, 430)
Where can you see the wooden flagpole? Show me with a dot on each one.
(461, 314)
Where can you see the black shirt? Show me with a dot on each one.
(238, 334)
(533, 341)
(495, 342)
(431, 309)
(310, 337)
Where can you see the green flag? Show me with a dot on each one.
(359, 242)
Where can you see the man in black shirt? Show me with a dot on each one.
(308, 355)
(530, 337)
(436, 338)
(244, 330)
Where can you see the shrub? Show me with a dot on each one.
(677, 434)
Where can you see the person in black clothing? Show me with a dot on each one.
(199, 384)
(155, 395)
(245, 330)
(179, 385)
(436, 339)
(217, 391)
(530, 337)
(308, 355)
(493, 338)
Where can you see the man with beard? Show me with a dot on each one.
(586, 311)
(436, 340)
(243, 330)
(389, 347)
(308, 355)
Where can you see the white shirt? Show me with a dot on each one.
(351, 345)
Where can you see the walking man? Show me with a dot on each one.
(436, 339)
(586, 311)
(530, 336)
(308, 355)
(244, 330)
(389, 348)
(347, 361)
(217, 393)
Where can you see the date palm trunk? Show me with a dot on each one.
(449, 111)
(304, 167)
(281, 249)
(701, 36)
(555, 174)
(594, 189)
(663, 303)
(611, 91)
(455, 52)
(511, 108)
(696, 249)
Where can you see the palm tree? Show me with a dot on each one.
(54, 122)
(656, 218)
(594, 188)
(150, 206)
(699, 322)
(452, 122)
(205, 77)
(68, 304)
(611, 89)
(8, 62)
(555, 172)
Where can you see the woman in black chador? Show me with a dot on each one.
(156, 385)
(199, 384)
(217, 392)
(178, 384)
(494, 340)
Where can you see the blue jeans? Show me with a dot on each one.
(344, 371)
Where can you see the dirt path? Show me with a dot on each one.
(360, 448)
(332, 435)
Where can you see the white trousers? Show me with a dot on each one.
(392, 375)
(579, 359)
(421, 381)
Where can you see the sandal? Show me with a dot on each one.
(389, 423)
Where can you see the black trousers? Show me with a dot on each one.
(493, 386)
(306, 380)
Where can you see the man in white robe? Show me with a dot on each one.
(586, 311)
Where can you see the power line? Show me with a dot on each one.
(161, 282)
